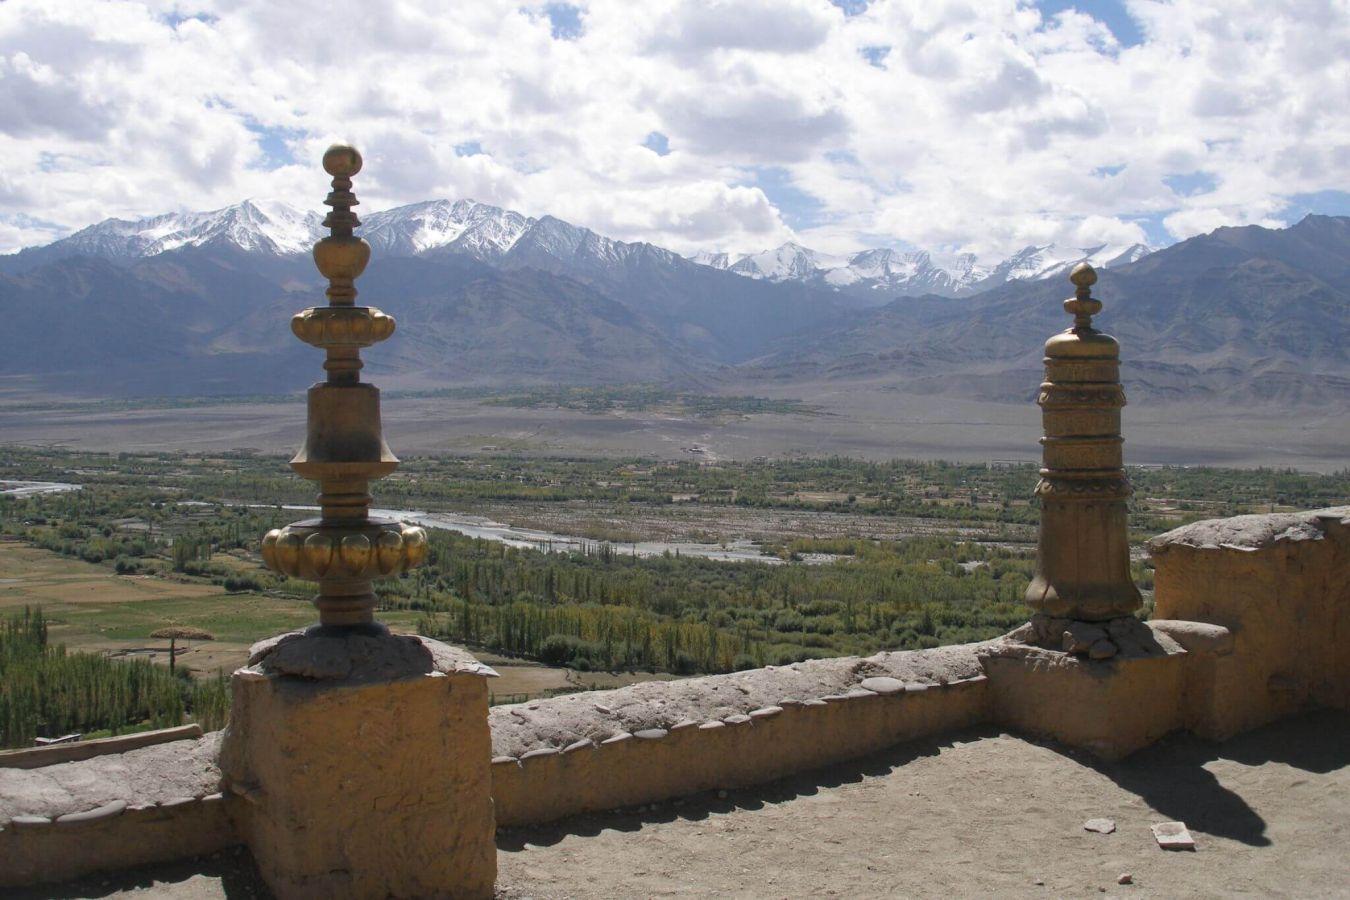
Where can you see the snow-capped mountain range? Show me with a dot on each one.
(897, 272)
(490, 234)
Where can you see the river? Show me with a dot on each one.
(33, 488)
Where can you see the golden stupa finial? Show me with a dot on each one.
(1083, 552)
(1082, 305)
(344, 549)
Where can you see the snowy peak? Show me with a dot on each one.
(881, 272)
(788, 262)
(888, 272)
(712, 260)
(254, 226)
(1037, 263)
(466, 226)
(555, 245)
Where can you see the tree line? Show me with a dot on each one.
(47, 692)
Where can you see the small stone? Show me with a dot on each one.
(99, 813)
(1125, 878)
(26, 821)
(539, 753)
(176, 802)
(1040, 882)
(650, 734)
(1102, 649)
(883, 684)
(1173, 836)
(1101, 826)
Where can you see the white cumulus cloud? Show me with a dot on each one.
(957, 126)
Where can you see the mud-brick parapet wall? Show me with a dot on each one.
(123, 809)
(1281, 584)
(647, 742)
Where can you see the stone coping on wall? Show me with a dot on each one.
(36, 757)
(1253, 532)
(170, 774)
(524, 730)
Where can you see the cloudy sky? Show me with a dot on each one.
(695, 124)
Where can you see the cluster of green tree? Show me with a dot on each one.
(589, 636)
(47, 692)
(687, 614)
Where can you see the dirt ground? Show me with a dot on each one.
(976, 815)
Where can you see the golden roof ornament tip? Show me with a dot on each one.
(342, 161)
(1082, 276)
(1082, 305)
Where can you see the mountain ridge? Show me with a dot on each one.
(489, 233)
(1238, 316)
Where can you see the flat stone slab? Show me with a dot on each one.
(1196, 637)
(1173, 836)
(731, 698)
(1254, 532)
(1101, 826)
(106, 785)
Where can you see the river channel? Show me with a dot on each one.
(487, 529)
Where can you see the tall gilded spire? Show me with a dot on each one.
(344, 549)
(1083, 554)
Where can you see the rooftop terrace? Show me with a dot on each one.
(978, 812)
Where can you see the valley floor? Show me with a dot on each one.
(979, 814)
(863, 421)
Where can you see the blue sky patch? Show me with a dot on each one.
(798, 208)
(851, 7)
(1320, 203)
(876, 55)
(565, 19)
(1111, 13)
(657, 142)
(272, 141)
(1188, 184)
